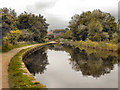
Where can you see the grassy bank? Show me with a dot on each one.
(19, 76)
(6, 48)
(95, 45)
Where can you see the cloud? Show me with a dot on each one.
(56, 22)
(43, 5)
(58, 13)
(113, 11)
(40, 7)
(119, 10)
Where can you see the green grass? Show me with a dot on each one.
(6, 48)
(95, 45)
(17, 78)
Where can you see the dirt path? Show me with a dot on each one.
(6, 57)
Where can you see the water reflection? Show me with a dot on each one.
(37, 61)
(89, 62)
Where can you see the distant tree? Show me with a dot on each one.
(74, 23)
(96, 23)
(35, 24)
(12, 37)
(67, 35)
(50, 37)
(8, 20)
(59, 31)
(26, 35)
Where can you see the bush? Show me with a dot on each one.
(96, 45)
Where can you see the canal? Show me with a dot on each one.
(65, 66)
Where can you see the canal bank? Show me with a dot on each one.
(102, 46)
(78, 62)
(55, 65)
(6, 57)
(19, 76)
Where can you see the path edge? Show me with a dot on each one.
(23, 69)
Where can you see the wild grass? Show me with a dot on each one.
(19, 76)
(8, 47)
(95, 45)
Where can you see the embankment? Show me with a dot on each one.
(19, 76)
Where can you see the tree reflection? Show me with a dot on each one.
(90, 64)
(37, 61)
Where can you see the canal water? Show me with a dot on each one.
(65, 66)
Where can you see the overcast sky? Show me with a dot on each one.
(59, 12)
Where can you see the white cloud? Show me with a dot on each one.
(62, 9)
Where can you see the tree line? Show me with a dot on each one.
(95, 26)
(24, 27)
(90, 25)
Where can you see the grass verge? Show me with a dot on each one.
(6, 48)
(19, 76)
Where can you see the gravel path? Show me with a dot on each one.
(4, 61)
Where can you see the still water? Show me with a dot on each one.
(63, 66)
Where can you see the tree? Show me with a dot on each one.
(74, 25)
(8, 20)
(94, 30)
(35, 24)
(12, 37)
(89, 23)
(67, 35)
(82, 32)
(26, 36)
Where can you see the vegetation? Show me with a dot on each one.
(90, 62)
(94, 45)
(94, 29)
(6, 48)
(16, 77)
(60, 30)
(56, 34)
(96, 26)
(26, 27)
(68, 35)
(37, 61)
(19, 77)
(36, 26)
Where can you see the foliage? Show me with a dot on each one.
(8, 47)
(90, 62)
(59, 30)
(36, 62)
(26, 36)
(8, 20)
(36, 25)
(12, 37)
(19, 77)
(10, 40)
(16, 77)
(67, 35)
(50, 37)
(25, 27)
(95, 25)
(95, 45)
